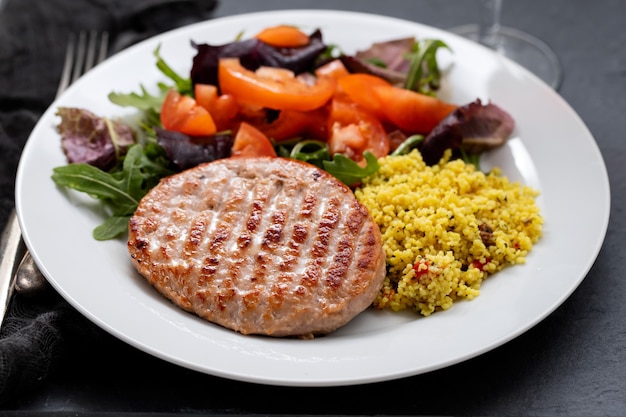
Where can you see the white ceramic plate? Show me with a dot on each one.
(551, 150)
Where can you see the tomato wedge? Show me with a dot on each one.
(283, 36)
(411, 111)
(353, 130)
(182, 114)
(292, 124)
(250, 141)
(223, 108)
(334, 69)
(360, 89)
(273, 88)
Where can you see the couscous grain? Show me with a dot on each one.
(445, 228)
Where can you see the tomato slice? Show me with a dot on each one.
(360, 89)
(292, 124)
(250, 141)
(223, 108)
(353, 130)
(283, 36)
(205, 95)
(411, 111)
(334, 69)
(273, 88)
(181, 113)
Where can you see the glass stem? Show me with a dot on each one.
(489, 28)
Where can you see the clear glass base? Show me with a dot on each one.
(523, 48)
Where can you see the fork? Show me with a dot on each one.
(83, 52)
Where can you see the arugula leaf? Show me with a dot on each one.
(340, 166)
(111, 228)
(155, 164)
(143, 101)
(121, 189)
(424, 75)
(409, 143)
(183, 85)
(312, 151)
(93, 181)
(348, 171)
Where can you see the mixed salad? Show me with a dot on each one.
(283, 93)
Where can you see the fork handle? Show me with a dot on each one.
(12, 249)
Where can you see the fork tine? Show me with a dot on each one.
(67, 65)
(79, 60)
(80, 56)
(92, 47)
(104, 46)
(91, 51)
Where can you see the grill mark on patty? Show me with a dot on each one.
(348, 254)
(222, 233)
(328, 222)
(271, 233)
(239, 263)
(329, 213)
(310, 201)
(208, 270)
(217, 233)
(300, 233)
(290, 256)
(257, 196)
(367, 247)
(191, 246)
(196, 234)
(339, 265)
(274, 232)
(261, 203)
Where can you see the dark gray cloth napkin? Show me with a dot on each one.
(40, 334)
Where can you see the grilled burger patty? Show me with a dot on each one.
(259, 245)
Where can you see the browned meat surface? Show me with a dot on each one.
(259, 245)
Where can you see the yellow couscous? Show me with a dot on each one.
(446, 228)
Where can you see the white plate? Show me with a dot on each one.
(552, 150)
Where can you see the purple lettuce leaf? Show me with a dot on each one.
(187, 152)
(392, 53)
(473, 127)
(388, 60)
(87, 138)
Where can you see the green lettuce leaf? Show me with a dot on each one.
(424, 75)
(121, 189)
